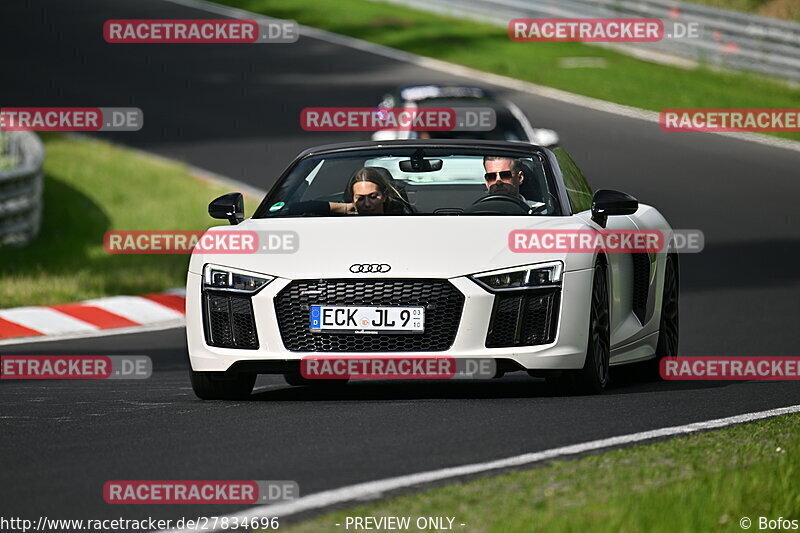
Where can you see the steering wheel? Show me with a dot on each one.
(504, 200)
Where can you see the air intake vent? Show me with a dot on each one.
(228, 321)
(524, 318)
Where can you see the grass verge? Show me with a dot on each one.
(91, 187)
(704, 482)
(625, 80)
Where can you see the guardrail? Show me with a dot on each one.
(21, 187)
(727, 39)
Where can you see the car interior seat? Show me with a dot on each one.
(533, 186)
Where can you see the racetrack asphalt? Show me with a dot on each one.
(233, 109)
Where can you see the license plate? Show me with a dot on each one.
(359, 319)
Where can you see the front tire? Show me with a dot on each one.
(594, 376)
(222, 386)
(669, 327)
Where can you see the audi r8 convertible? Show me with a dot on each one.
(413, 248)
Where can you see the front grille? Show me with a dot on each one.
(228, 321)
(641, 284)
(524, 318)
(443, 304)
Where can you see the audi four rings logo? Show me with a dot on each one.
(367, 268)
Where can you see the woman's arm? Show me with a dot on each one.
(320, 207)
(342, 208)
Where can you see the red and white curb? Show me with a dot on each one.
(103, 316)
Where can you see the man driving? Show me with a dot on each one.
(504, 176)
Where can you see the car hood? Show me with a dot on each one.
(412, 246)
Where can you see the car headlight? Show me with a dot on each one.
(528, 277)
(232, 279)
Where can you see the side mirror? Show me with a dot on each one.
(544, 137)
(384, 135)
(607, 202)
(228, 206)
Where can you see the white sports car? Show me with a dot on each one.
(357, 237)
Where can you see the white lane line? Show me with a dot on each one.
(481, 76)
(373, 489)
(45, 320)
(236, 185)
(196, 172)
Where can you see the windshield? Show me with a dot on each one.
(415, 181)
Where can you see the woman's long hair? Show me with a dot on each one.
(395, 203)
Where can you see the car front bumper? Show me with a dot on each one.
(566, 352)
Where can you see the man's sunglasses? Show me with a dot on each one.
(502, 175)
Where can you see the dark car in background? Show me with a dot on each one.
(511, 122)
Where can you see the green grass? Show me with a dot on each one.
(704, 482)
(92, 187)
(625, 80)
